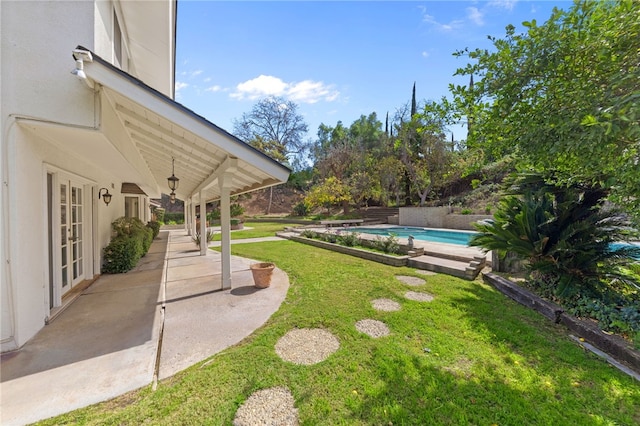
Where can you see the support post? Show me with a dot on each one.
(187, 217)
(225, 224)
(203, 225)
(193, 216)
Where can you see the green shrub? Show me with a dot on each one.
(623, 319)
(466, 211)
(236, 210)
(155, 227)
(176, 218)
(307, 233)
(349, 239)
(160, 214)
(387, 244)
(121, 255)
(301, 209)
(214, 215)
(235, 221)
(132, 241)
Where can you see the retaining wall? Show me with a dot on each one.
(438, 217)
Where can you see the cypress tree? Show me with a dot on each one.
(413, 101)
(386, 125)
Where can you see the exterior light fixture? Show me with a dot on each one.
(173, 181)
(106, 197)
(172, 197)
(79, 71)
(81, 56)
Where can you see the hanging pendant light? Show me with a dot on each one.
(173, 181)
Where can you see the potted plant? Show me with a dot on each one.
(236, 223)
(262, 273)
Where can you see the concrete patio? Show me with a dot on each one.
(127, 331)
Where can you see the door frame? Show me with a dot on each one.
(52, 247)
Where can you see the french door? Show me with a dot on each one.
(72, 233)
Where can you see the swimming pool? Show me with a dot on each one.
(434, 235)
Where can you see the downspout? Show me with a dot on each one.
(6, 230)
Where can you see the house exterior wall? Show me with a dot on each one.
(46, 115)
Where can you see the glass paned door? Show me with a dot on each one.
(71, 234)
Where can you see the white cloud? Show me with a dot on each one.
(214, 88)
(180, 85)
(476, 16)
(307, 91)
(430, 19)
(503, 4)
(425, 54)
(196, 73)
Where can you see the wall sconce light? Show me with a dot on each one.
(172, 197)
(106, 197)
(173, 181)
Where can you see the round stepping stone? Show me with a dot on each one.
(273, 406)
(412, 281)
(386, 305)
(425, 272)
(372, 328)
(307, 346)
(420, 297)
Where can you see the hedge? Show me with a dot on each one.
(131, 242)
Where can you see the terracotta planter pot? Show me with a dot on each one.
(262, 274)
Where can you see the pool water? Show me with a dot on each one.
(433, 235)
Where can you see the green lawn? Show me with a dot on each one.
(258, 230)
(472, 356)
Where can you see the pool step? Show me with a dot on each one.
(462, 269)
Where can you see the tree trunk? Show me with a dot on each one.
(345, 207)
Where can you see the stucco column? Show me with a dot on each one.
(203, 225)
(187, 218)
(225, 224)
(192, 215)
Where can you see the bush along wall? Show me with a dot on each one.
(131, 241)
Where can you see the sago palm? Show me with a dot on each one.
(564, 233)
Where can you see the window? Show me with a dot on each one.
(131, 207)
(120, 58)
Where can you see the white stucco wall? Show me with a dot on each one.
(37, 90)
(429, 217)
(437, 217)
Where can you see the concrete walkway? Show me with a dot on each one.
(127, 330)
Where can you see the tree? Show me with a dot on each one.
(565, 97)
(423, 148)
(329, 193)
(275, 127)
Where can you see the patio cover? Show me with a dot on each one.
(161, 130)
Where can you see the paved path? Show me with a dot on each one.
(106, 343)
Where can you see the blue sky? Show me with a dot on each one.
(336, 60)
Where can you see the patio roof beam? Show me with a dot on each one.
(188, 173)
(179, 155)
(229, 164)
(178, 141)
